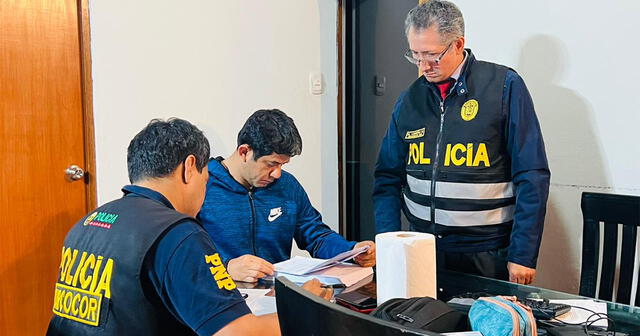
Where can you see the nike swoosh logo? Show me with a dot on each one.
(271, 218)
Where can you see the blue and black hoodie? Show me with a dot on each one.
(264, 221)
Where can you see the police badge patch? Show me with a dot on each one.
(469, 110)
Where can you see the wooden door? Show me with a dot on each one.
(42, 132)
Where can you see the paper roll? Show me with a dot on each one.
(406, 265)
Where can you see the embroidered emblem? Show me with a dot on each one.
(274, 214)
(419, 133)
(469, 110)
(101, 219)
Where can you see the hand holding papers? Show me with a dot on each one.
(368, 258)
(330, 271)
(301, 265)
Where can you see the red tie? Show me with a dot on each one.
(444, 86)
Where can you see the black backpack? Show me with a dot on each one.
(422, 313)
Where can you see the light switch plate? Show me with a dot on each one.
(316, 84)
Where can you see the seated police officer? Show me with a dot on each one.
(142, 265)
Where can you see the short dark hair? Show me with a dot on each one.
(162, 146)
(270, 131)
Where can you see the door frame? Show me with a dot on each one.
(348, 125)
(84, 34)
(340, 36)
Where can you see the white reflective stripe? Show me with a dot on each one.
(418, 186)
(474, 190)
(461, 218)
(474, 218)
(461, 190)
(420, 211)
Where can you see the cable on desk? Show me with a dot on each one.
(586, 324)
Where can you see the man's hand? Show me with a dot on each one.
(366, 259)
(313, 286)
(249, 268)
(520, 274)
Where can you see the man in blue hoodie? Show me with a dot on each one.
(253, 209)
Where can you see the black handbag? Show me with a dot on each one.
(422, 313)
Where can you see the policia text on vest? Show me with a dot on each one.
(80, 289)
(455, 154)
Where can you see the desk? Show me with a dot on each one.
(626, 318)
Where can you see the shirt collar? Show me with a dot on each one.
(221, 173)
(456, 74)
(139, 191)
(460, 73)
(459, 85)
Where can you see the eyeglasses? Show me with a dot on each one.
(416, 57)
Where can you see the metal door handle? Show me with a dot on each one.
(73, 173)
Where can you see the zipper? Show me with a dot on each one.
(434, 168)
(253, 223)
(405, 317)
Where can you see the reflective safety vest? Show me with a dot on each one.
(457, 153)
(99, 289)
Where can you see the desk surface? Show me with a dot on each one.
(626, 318)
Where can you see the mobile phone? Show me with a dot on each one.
(360, 301)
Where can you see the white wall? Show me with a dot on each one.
(214, 63)
(578, 60)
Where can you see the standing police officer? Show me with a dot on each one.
(142, 265)
(463, 155)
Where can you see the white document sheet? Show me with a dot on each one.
(258, 302)
(301, 279)
(577, 315)
(302, 265)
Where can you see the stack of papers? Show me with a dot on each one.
(302, 265)
(330, 271)
(347, 274)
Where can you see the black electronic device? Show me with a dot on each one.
(545, 310)
(357, 300)
(302, 313)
